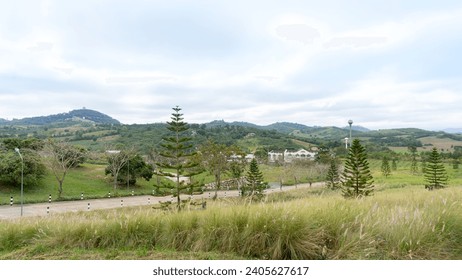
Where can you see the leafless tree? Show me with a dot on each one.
(60, 157)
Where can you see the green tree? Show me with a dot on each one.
(255, 184)
(10, 168)
(435, 173)
(333, 175)
(413, 151)
(394, 164)
(134, 168)
(60, 157)
(386, 170)
(356, 178)
(177, 152)
(237, 166)
(455, 164)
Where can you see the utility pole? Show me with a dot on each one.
(350, 122)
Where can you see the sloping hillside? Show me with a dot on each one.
(75, 115)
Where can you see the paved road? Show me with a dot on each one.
(43, 209)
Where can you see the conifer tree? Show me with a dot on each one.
(255, 184)
(435, 173)
(413, 151)
(333, 176)
(386, 170)
(356, 178)
(394, 164)
(177, 153)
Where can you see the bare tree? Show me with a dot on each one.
(117, 159)
(60, 157)
(216, 159)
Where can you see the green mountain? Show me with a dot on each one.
(96, 131)
(80, 115)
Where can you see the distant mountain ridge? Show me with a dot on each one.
(283, 127)
(84, 115)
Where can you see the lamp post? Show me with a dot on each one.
(22, 179)
(350, 122)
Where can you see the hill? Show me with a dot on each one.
(80, 115)
(95, 130)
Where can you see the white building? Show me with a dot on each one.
(289, 156)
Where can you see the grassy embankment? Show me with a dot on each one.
(397, 223)
(90, 180)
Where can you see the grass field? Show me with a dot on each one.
(90, 180)
(397, 223)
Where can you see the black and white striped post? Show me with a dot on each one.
(133, 192)
(121, 203)
(48, 210)
(49, 198)
(11, 201)
(209, 194)
(109, 195)
(149, 200)
(225, 194)
(81, 196)
(88, 207)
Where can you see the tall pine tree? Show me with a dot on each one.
(255, 184)
(177, 153)
(435, 173)
(356, 178)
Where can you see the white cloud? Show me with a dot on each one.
(296, 61)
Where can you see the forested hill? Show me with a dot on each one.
(84, 115)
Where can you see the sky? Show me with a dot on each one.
(382, 64)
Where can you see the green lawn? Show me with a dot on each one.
(90, 180)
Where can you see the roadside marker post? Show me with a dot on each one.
(88, 206)
(49, 198)
(11, 201)
(81, 196)
(121, 203)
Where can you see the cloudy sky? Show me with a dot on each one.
(382, 64)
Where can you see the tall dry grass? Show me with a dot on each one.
(408, 223)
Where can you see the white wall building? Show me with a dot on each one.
(289, 156)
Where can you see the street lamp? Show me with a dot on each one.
(22, 179)
(350, 122)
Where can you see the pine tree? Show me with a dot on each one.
(435, 173)
(177, 153)
(255, 184)
(455, 164)
(356, 178)
(386, 170)
(413, 151)
(333, 176)
(394, 164)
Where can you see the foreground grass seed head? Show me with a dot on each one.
(394, 224)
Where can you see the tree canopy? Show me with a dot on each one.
(357, 179)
